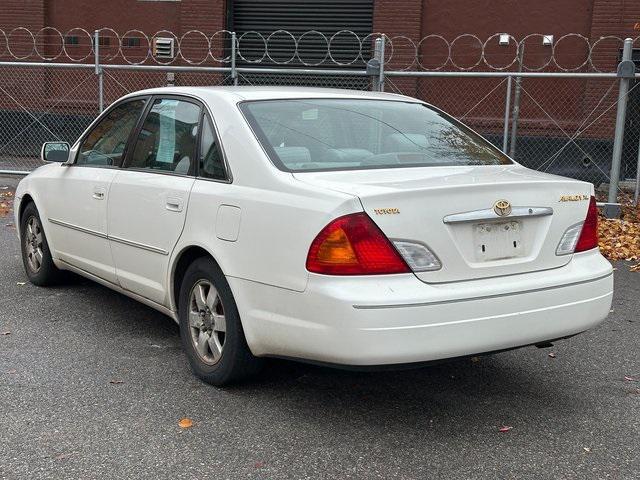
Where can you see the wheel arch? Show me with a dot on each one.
(183, 259)
(24, 201)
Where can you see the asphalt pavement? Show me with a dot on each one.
(93, 385)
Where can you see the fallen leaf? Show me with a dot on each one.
(475, 359)
(619, 239)
(552, 355)
(630, 379)
(586, 449)
(504, 429)
(116, 382)
(185, 423)
(12, 371)
(5, 333)
(259, 464)
(21, 283)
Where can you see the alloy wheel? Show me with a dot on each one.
(207, 322)
(33, 244)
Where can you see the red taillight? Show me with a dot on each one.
(353, 245)
(589, 235)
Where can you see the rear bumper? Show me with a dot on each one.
(399, 319)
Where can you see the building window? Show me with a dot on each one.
(130, 42)
(71, 40)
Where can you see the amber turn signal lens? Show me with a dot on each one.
(336, 249)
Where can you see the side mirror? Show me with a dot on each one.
(55, 152)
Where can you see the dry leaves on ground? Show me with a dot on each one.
(620, 238)
(6, 202)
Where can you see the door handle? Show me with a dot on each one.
(174, 204)
(98, 193)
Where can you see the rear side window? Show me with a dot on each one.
(167, 140)
(106, 143)
(211, 162)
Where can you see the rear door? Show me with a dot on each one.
(77, 199)
(149, 196)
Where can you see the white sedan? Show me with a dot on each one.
(346, 228)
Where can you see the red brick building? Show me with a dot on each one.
(412, 18)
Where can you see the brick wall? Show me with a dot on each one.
(395, 18)
(610, 17)
(410, 18)
(13, 14)
(22, 13)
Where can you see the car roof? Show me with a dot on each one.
(239, 93)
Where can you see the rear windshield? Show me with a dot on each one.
(349, 134)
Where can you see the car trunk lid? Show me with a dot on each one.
(452, 210)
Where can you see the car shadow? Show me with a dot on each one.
(489, 390)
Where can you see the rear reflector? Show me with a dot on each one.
(354, 245)
(569, 240)
(418, 257)
(589, 235)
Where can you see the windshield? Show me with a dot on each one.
(347, 134)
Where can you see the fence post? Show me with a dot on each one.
(234, 72)
(373, 66)
(98, 69)
(618, 139)
(507, 108)
(637, 190)
(516, 102)
(381, 58)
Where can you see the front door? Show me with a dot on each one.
(149, 196)
(77, 200)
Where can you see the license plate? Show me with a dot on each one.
(498, 240)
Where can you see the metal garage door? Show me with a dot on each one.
(246, 17)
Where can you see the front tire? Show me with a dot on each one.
(36, 256)
(210, 326)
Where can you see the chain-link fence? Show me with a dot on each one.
(553, 105)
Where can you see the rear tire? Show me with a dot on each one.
(36, 256)
(210, 326)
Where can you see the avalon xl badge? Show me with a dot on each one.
(502, 208)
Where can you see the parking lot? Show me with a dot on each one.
(93, 385)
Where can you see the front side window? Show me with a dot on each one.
(168, 138)
(105, 144)
(342, 134)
